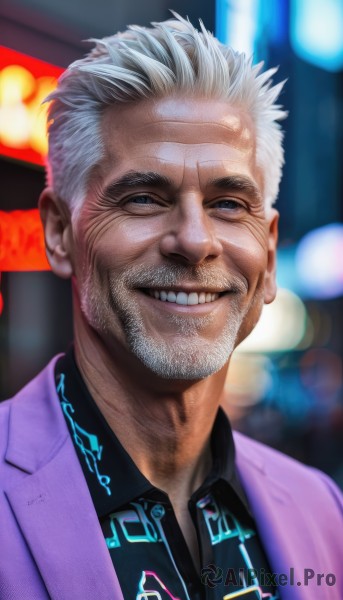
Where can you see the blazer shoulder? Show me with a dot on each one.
(261, 453)
(287, 470)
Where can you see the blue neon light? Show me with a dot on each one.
(316, 32)
(250, 26)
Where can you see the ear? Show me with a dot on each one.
(56, 219)
(270, 274)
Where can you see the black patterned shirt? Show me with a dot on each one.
(144, 539)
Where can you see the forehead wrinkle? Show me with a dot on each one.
(241, 143)
(230, 122)
(177, 123)
(190, 131)
(231, 145)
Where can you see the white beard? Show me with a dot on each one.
(188, 355)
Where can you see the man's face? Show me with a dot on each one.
(174, 255)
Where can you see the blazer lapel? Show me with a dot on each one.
(52, 504)
(281, 523)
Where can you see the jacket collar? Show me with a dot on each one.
(52, 504)
(36, 424)
(282, 523)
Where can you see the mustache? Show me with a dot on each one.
(176, 275)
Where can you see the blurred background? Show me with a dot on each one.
(286, 381)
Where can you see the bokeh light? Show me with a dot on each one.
(281, 327)
(319, 262)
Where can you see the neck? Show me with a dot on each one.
(165, 426)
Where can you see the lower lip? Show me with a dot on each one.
(190, 309)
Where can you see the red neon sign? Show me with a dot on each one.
(24, 83)
(22, 241)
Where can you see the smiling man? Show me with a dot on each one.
(121, 476)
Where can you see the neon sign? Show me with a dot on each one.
(22, 241)
(24, 83)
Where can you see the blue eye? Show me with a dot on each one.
(228, 204)
(143, 199)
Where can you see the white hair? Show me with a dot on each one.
(140, 63)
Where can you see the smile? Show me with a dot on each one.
(183, 298)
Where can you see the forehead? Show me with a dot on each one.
(179, 133)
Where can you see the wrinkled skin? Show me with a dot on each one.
(221, 232)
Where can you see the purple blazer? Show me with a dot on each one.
(51, 543)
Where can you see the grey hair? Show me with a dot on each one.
(168, 58)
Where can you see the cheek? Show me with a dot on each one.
(247, 255)
(248, 258)
(125, 241)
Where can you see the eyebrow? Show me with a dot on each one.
(237, 183)
(136, 179)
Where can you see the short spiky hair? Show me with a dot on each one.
(171, 57)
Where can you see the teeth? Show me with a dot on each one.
(193, 298)
(183, 298)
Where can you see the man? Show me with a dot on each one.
(121, 478)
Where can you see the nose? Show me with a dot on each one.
(190, 236)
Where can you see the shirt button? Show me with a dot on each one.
(158, 511)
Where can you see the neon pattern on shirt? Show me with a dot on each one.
(88, 443)
(221, 523)
(123, 519)
(153, 593)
